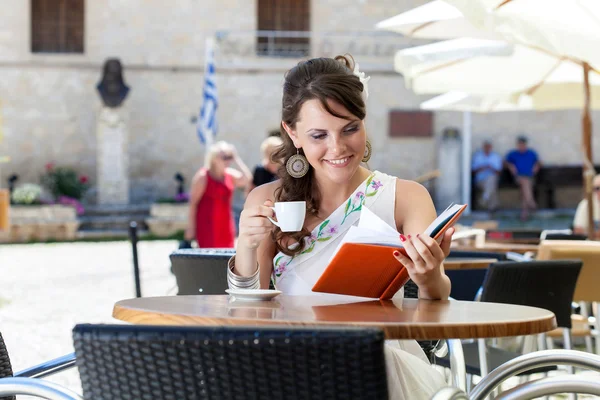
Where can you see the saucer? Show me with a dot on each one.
(253, 294)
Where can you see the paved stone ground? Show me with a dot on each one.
(48, 288)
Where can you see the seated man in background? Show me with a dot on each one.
(580, 222)
(524, 165)
(487, 166)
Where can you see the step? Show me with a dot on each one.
(111, 222)
(95, 234)
(133, 209)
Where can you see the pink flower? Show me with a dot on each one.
(376, 184)
(83, 179)
(49, 166)
(359, 195)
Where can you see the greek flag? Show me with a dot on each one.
(207, 123)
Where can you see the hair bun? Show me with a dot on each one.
(346, 60)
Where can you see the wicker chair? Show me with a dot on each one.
(138, 362)
(39, 371)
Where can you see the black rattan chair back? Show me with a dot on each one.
(545, 284)
(5, 366)
(201, 271)
(177, 363)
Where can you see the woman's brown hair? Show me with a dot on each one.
(322, 79)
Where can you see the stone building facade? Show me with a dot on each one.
(50, 105)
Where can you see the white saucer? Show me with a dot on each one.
(253, 294)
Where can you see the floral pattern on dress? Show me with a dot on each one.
(328, 229)
(356, 202)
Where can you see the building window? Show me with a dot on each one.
(57, 26)
(411, 123)
(285, 28)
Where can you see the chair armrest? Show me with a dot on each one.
(530, 361)
(553, 385)
(35, 387)
(48, 368)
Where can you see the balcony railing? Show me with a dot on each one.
(374, 45)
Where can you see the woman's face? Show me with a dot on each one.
(223, 159)
(333, 146)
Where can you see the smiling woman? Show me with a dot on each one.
(324, 143)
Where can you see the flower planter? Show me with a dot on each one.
(167, 219)
(41, 223)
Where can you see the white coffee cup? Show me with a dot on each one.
(290, 215)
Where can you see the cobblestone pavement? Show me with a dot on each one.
(48, 288)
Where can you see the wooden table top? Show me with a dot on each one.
(500, 247)
(468, 263)
(399, 319)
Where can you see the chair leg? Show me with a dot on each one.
(458, 368)
(483, 362)
(585, 313)
(596, 326)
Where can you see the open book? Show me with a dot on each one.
(364, 265)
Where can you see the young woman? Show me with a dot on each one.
(211, 195)
(324, 144)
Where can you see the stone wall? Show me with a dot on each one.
(50, 103)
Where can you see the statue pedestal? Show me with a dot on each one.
(112, 156)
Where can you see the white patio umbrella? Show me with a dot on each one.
(435, 20)
(567, 28)
(461, 101)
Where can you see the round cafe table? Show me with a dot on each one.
(399, 319)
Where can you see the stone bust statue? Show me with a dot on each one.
(112, 88)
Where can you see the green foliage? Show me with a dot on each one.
(63, 181)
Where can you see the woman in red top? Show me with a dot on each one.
(211, 217)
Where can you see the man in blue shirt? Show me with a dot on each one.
(486, 165)
(524, 164)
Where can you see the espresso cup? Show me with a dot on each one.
(290, 215)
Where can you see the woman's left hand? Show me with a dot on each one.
(425, 257)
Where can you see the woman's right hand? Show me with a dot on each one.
(254, 225)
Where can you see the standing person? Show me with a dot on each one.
(524, 165)
(487, 166)
(211, 217)
(325, 142)
(266, 171)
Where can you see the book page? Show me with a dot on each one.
(373, 230)
(442, 219)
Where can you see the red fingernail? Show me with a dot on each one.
(410, 236)
(417, 235)
(402, 238)
(396, 253)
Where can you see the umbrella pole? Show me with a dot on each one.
(588, 171)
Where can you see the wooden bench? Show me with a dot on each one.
(549, 180)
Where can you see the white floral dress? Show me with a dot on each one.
(410, 376)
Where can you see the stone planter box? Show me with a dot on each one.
(41, 223)
(167, 219)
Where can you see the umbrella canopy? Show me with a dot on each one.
(461, 101)
(435, 20)
(564, 28)
(547, 81)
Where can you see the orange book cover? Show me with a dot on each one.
(370, 269)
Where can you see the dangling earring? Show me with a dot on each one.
(368, 151)
(297, 165)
